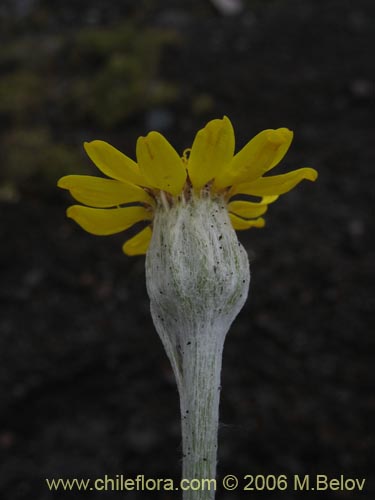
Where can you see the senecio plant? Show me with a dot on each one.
(197, 272)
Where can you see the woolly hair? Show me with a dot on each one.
(197, 276)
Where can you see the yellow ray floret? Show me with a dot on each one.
(113, 163)
(259, 155)
(138, 244)
(103, 222)
(240, 224)
(275, 184)
(247, 209)
(211, 152)
(160, 177)
(160, 164)
(103, 193)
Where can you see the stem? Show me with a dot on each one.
(199, 399)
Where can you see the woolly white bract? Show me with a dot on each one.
(197, 277)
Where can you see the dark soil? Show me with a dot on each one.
(86, 388)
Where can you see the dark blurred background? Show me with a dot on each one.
(85, 387)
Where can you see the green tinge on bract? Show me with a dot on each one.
(103, 222)
(211, 152)
(160, 164)
(103, 193)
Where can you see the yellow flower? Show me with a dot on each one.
(161, 178)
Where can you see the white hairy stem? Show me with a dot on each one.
(197, 276)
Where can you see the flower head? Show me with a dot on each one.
(133, 192)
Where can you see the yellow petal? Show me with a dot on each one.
(98, 192)
(114, 163)
(212, 152)
(275, 184)
(247, 209)
(240, 224)
(138, 245)
(160, 164)
(102, 222)
(269, 199)
(259, 155)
